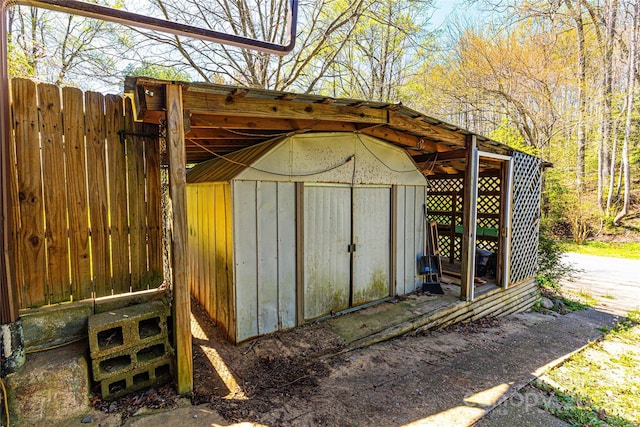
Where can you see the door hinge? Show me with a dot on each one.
(351, 248)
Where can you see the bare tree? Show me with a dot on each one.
(631, 79)
(325, 27)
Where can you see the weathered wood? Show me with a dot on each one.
(177, 184)
(31, 248)
(400, 138)
(98, 200)
(200, 102)
(154, 207)
(469, 217)
(476, 279)
(137, 210)
(202, 123)
(55, 198)
(423, 128)
(11, 289)
(119, 226)
(75, 163)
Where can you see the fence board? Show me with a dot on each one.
(55, 198)
(87, 207)
(135, 183)
(98, 200)
(75, 161)
(121, 279)
(30, 251)
(154, 209)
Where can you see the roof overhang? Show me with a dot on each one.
(220, 119)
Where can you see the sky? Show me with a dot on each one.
(447, 10)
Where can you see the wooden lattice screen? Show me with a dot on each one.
(86, 195)
(525, 219)
(444, 205)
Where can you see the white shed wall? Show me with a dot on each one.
(265, 257)
(410, 226)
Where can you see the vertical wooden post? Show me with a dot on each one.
(469, 217)
(177, 189)
(8, 291)
(505, 234)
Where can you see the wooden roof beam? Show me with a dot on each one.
(420, 127)
(199, 102)
(441, 156)
(400, 138)
(207, 121)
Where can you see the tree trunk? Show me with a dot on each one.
(576, 13)
(631, 79)
(604, 169)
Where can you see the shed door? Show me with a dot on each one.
(372, 239)
(346, 247)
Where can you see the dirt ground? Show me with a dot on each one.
(304, 377)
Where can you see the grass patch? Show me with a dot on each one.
(585, 297)
(601, 384)
(610, 249)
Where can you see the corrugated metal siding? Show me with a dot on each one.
(410, 241)
(210, 273)
(327, 233)
(265, 251)
(372, 236)
(225, 169)
(315, 157)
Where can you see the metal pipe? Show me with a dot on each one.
(104, 13)
(89, 10)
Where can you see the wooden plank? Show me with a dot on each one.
(246, 254)
(55, 197)
(11, 290)
(200, 102)
(469, 220)
(119, 226)
(31, 248)
(75, 163)
(98, 200)
(202, 122)
(420, 127)
(154, 206)
(177, 185)
(134, 146)
(401, 138)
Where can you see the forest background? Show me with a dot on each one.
(558, 79)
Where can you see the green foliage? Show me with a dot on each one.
(509, 135)
(156, 71)
(551, 268)
(629, 250)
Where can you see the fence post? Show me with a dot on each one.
(177, 190)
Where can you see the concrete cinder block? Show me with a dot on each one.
(150, 375)
(112, 331)
(129, 358)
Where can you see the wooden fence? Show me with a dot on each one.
(86, 196)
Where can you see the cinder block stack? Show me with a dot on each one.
(130, 348)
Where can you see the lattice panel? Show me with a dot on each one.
(445, 185)
(440, 219)
(488, 204)
(440, 202)
(444, 241)
(525, 222)
(489, 183)
(488, 245)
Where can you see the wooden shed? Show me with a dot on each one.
(303, 226)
